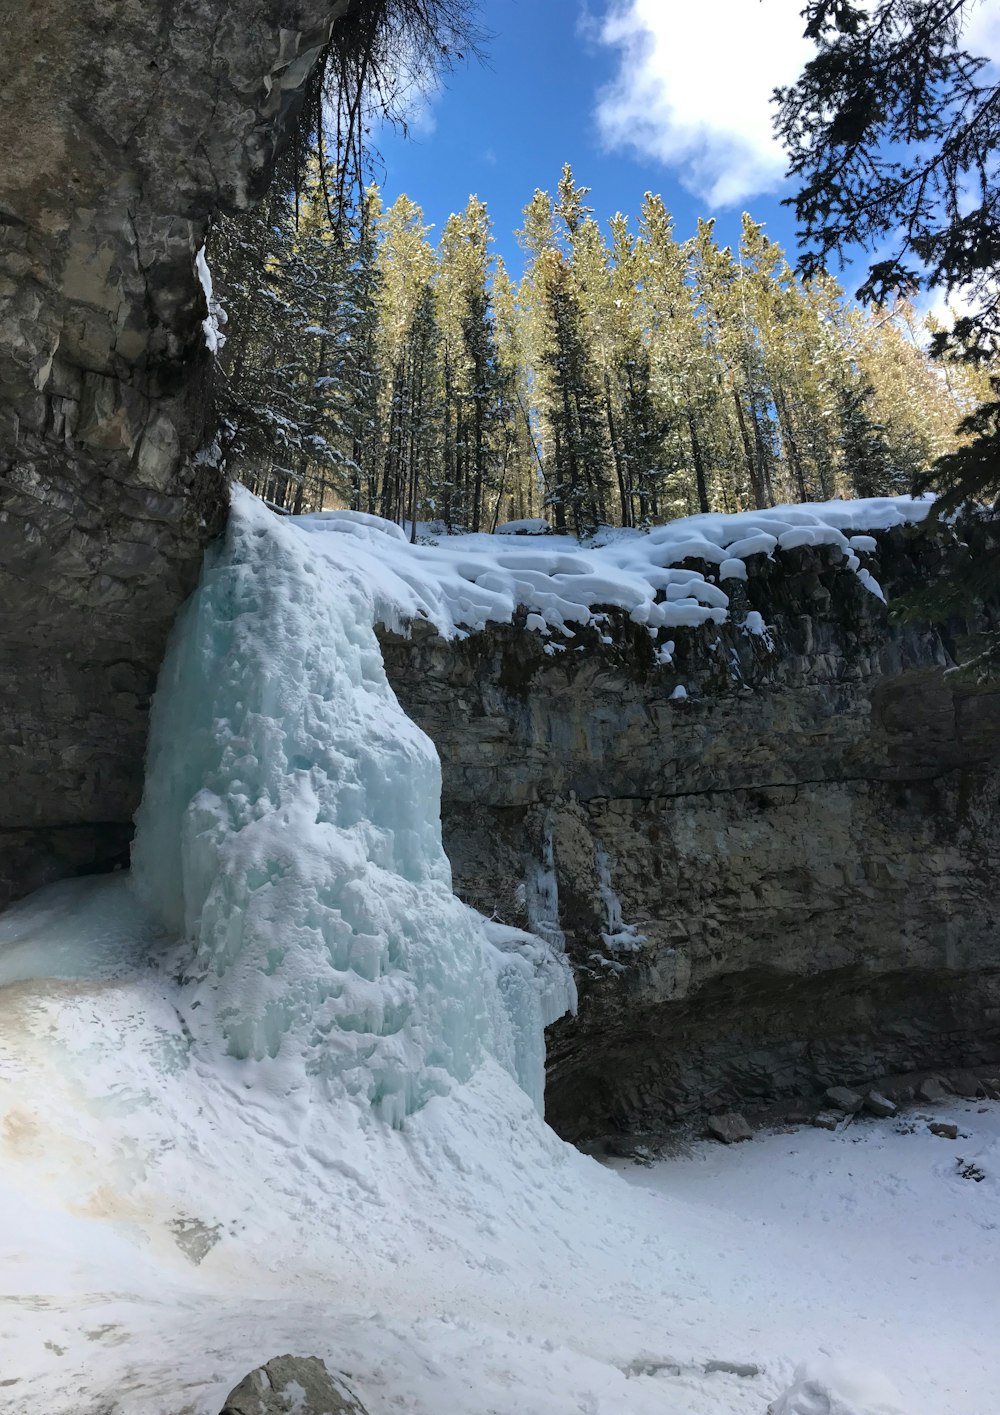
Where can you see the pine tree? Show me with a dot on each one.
(685, 379)
(522, 483)
(408, 402)
(578, 490)
(288, 278)
(724, 310)
(626, 379)
(478, 416)
(360, 367)
(893, 133)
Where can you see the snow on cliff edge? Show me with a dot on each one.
(461, 583)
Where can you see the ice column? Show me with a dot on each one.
(290, 834)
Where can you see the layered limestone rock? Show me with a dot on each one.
(125, 125)
(783, 879)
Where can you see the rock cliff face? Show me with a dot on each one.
(125, 124)
(784, 879)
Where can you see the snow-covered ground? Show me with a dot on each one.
(278, 1091)
(880, 1243)
(165, 1230)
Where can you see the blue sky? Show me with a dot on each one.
(636, 94)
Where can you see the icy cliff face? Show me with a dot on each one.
(290, 833)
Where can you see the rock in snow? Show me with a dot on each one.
(836, 1388)
(877, 1104)
(291, 1385)
(931, 1090)
(728, 1128)
(746, 1370)
(850, 1102)
(943, 1128)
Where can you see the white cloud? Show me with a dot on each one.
(981, 32)
(946, 306)
(693, 88)
(412, 89)
(418, 90)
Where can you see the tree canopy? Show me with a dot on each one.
(628, 377)
(893, 132)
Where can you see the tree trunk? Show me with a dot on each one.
(756, 484)
(699, 465)
(624, 493)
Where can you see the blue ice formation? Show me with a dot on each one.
(290, 834)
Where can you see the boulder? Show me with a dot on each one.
(877, 1104)
(836, 1387)
(827, 1119)
(728, 1128)
(900, 1092)
(931, 1090)
(945, 1129)
(747, 1370)
(850, 1102)
(292, 1385)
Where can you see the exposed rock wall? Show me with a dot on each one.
(124, 125)
(805, 850)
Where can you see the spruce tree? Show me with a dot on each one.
(578, 490)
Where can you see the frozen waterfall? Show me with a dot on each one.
(196, 1060)
(290, 834)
